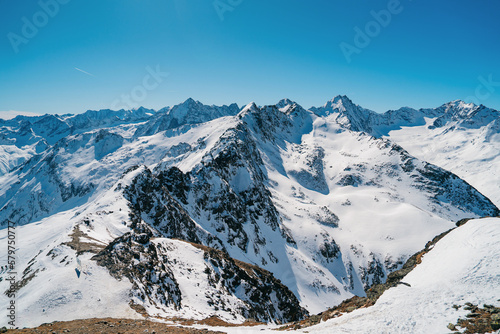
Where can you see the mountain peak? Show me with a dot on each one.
(251, 107)
(459, 105)
(190, 102)
(188, 112)
(339, 104)
(341, 98)
(284, 103)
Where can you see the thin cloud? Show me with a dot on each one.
(10, 114)
(76, 68)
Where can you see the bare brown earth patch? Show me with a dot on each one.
(80, 246)
(111, 326)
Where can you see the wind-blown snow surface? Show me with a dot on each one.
(325, 208)
(462, 267)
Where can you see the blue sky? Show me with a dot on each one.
(100, 54)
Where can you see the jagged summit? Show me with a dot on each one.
(283, 103)
(189, 112)
(249, 108)
(459, 105)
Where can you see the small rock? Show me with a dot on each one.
(495, 325)
(456, 307)
(451, 327)
(473, 315)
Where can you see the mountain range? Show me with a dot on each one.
(270, 213)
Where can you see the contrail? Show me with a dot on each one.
(76, 68)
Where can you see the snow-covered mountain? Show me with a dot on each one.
(196, 211)
(25, 136)
(185, 114)
(461, 137)
(464, 140)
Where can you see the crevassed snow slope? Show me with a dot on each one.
(462, 267)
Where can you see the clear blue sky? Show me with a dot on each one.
(430, 52)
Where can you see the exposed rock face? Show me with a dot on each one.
(266, 298)
(134, 256)
(155, 266)
(150, 201)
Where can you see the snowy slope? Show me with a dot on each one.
(46, 263)
(469, 149)
(355, 206)
(462, 267)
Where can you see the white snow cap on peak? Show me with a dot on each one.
(460, 104)
(284, 102)
(341, 102)
(338, 104)
(285, 105)
(250, 107)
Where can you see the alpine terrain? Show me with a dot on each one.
(269, 214)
